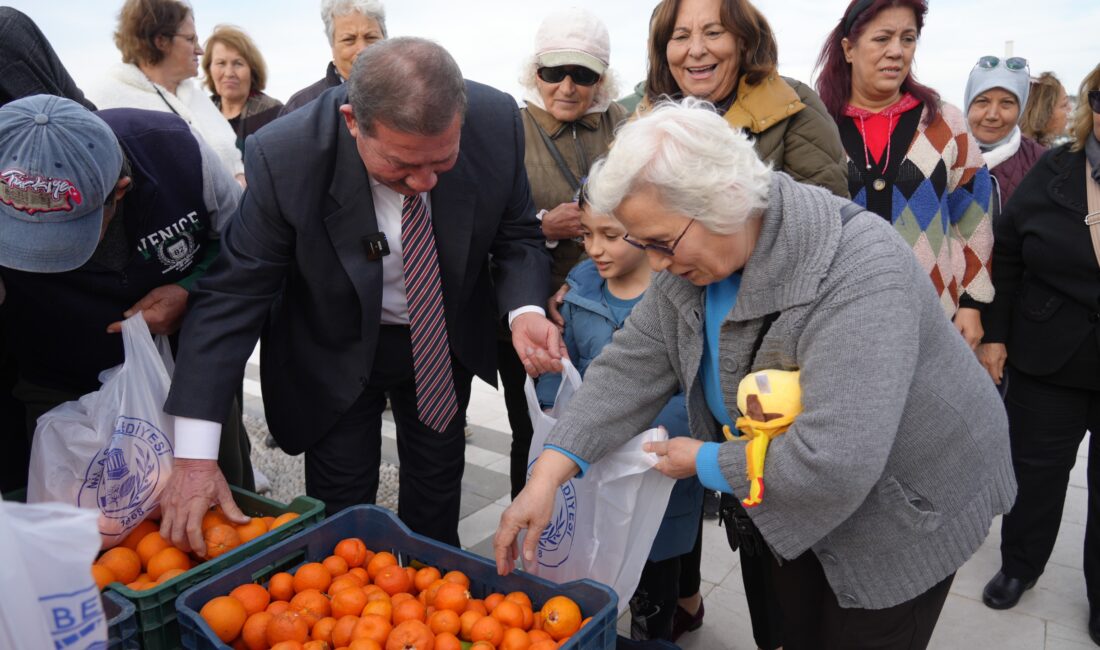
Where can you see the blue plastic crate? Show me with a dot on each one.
(382, 531)
(122, 627)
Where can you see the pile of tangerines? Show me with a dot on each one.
(361, 600)
(145, 559)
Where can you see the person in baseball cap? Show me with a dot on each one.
(59, 166)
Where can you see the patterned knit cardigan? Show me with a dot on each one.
(937, 197)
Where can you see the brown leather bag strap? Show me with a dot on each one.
(1092, 219)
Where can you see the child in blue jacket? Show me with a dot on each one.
(602, 291)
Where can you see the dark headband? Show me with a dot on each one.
(853, 14)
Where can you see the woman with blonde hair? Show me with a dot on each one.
(1047, 110)
(1043, 334)
(236, 75)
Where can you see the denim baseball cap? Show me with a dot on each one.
(59, 163)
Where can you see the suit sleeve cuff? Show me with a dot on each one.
(197, 439)
(523, 310)
(710, 473)
(573, 457)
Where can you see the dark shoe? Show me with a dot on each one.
(683, 622)
(1003, 592)
(711, 502)
(1094, 625)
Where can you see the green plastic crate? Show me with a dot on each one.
(156, 607)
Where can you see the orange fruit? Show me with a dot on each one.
(374, 592)
(149, 546)
(225, 615)
(457, 576)
(336, 565)
(392, 579)
(322, 630)
(373, 627)
(343, 582)
(425, 577)
(444, 620)
(169, 574)
(284, 518)
(254, 597)
(515, 639)
(520, 598)
(214, 517)
(539, 635)
(341, 632)
(548, 644)
(253, 529)
(466, 621)
(509, 614)
(220, 539)
(316, 645)
(269, 520)
(382, 608)
(361, 573)
(123, 562)
(102, 576)
(348, 601)
(365, 644)
(492, 600)
(410, 635)
(482, 645)
(380, 561)
(452, 596)
(255, 630)
(447, 641)
(401, 597)
(560, 617)
(409, 609)
(428, 595)
(169, 558)
(140, 585)
(352, 550)
(312, 575)
(288, 645)
(477, 605)
(278, 607)
(311, 605)
(281, 586)
(585, 621)
(138, 533)
(287, 626)
(488, 629)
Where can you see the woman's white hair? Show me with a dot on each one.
(331, 9)
(699, 166)
(606, 90)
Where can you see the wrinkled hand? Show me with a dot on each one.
(553, 306)
(563, 222)
(530, 511)
(538, 344)
(675, 457)
(193, 487)
(163, 309)
(992, 356)
(969, 323)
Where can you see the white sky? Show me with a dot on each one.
(490, 38)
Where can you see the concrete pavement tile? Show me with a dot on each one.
(252, 371)
(502, 466)
(718, 559)
(1077, 503)
(471, 503)
(504, 501)
(965, 623)
(1069, 548)
(484, 548)
(252, 387)
(389, 451)
(481, 457)
(971, 577)
(491, 485)
(495, 422)
(726, 625)
(498, 441)
(1060, 637)
(1058, 597)
(1078, 477)
(479, 526)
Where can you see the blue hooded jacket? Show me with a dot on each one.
(589, 326)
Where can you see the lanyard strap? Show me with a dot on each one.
(1092, 219)
(570, 178)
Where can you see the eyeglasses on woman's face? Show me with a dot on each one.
(666, 250)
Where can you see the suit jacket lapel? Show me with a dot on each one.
(352, 221)
(454, 200)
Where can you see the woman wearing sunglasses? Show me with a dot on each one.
(995, 94)
(1045, 323)
(910, 157)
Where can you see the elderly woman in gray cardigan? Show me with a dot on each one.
(889, 478)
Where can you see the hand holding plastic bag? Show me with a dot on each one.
(112, 449)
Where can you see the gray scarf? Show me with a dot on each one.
(1092, 152)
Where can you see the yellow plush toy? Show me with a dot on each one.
(770, 400)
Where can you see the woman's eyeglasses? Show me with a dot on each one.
(1014, 63)
(1094, 100)
(580, 75)
(667, 251)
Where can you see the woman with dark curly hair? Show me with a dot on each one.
(160, 56)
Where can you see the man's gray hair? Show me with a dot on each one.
(331, 9)
(411, 85)
(699, 166)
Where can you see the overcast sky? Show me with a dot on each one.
(490, 38)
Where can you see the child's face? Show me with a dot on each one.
(604, 243)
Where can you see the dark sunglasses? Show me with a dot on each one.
(1014, 63)
(1094, 100)
(580, 75)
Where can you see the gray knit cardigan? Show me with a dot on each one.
(900, 459)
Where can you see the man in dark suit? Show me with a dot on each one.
(367, 233)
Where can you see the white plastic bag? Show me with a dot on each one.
(49, 599)
(112, 449)
(604, 523)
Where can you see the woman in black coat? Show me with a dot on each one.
(1045, 322)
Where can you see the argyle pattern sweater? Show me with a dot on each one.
(937, 196)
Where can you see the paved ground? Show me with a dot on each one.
(1052, 616)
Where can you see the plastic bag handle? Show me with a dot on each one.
(138, 340)
(569, 374)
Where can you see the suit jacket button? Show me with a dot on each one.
(729, 365)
